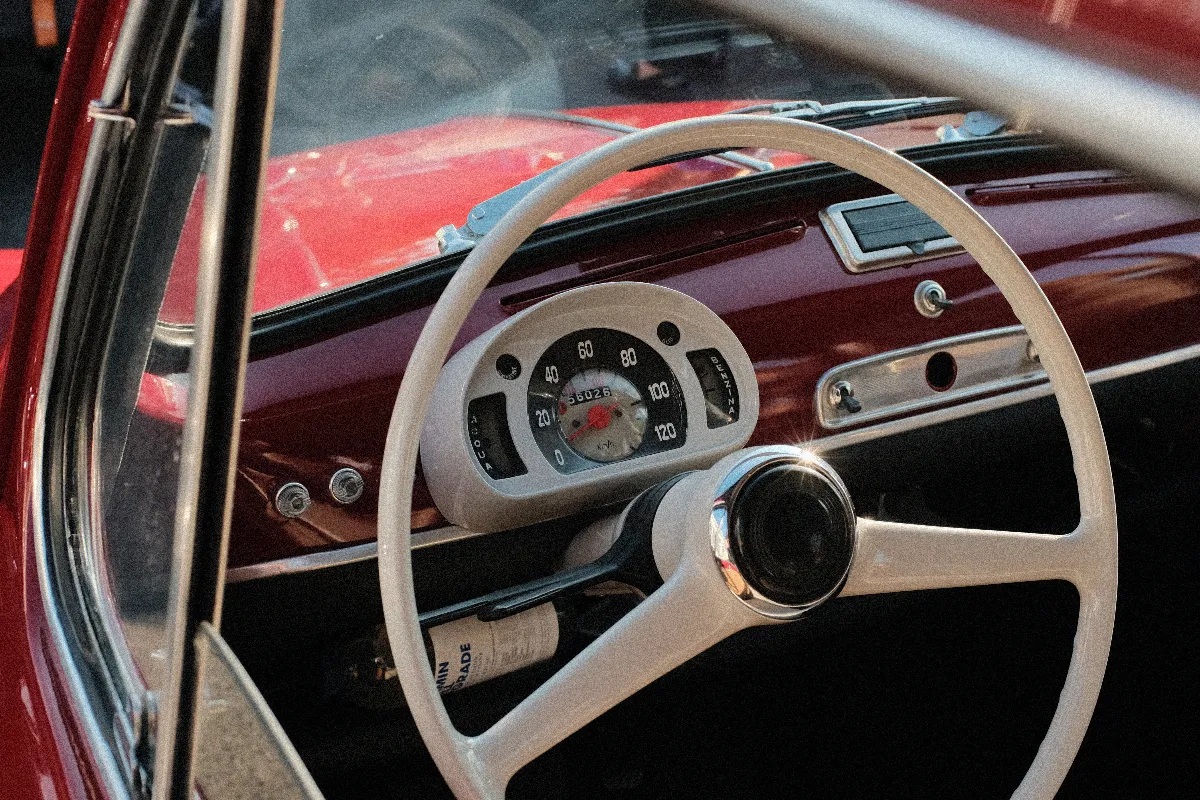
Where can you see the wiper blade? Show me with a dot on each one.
(737, 159)
(844, 115)
(486, 214)
(865, 112)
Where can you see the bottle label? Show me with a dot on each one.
(467, 651)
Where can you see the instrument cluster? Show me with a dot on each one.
(584, 399)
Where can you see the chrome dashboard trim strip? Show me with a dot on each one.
(993, 360)
(1010, 398)
(343, 556)
(439, 536)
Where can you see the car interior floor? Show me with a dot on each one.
(926, 694)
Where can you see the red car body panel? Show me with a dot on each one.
(341, 214)
(10, 265)
(1156, 38)
(44, 752)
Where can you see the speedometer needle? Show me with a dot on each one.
(598, 417)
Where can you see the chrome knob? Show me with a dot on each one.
(292, 499)
(931, 299)
(346, 485)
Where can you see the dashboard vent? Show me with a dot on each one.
(884, 232)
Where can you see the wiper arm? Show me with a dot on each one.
(486, 214)
(843, 116)
(851, 113)
(738, 159)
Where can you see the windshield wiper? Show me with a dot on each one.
(737, 159)
(484, 215)
(862, 112)
(844, 115)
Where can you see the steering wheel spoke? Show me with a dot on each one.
(902, 557)
(679, 621)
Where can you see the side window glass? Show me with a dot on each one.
(142, 396)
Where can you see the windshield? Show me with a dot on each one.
(392, 123)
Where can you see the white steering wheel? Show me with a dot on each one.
(700, 603)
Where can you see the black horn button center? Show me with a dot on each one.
(792, 535)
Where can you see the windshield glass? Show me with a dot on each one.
(393, 122)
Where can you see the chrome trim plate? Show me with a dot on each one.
(895, 383)
(353, 554)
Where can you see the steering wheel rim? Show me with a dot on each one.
(480, 766)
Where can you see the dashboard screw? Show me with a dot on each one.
(292, 499)
(347, 485)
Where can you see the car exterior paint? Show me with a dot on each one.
(342, 214)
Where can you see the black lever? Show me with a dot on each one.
(630, 560)
(846, 399)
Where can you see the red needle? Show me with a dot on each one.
(598, 417)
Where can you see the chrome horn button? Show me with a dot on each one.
(783, 532)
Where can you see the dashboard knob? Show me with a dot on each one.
(292, 499)
(346, 485)
(931, 299)
(842, 395)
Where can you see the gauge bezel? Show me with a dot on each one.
(465, 494)
(604, 348)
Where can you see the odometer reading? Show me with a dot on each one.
(598, 396)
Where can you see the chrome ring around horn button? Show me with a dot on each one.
(783, 533)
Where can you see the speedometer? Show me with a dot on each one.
(601, 395)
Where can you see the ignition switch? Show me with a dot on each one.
(931, 299)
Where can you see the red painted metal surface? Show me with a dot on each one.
(10, 265)
(341, 214)
(43, 752)
(1121, 268)
(1118, 260)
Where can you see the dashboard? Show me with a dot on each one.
(770, 291)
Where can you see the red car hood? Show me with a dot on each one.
(344, 213)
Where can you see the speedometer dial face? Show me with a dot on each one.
(601, 415)
(598, 396)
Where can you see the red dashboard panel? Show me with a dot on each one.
(1117, 260)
